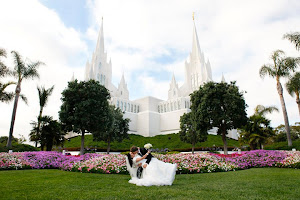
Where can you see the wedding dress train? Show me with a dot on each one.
(156, 173)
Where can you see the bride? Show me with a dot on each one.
(155, 173)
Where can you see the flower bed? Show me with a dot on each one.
(187, 163)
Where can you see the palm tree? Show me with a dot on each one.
(258, 131)
(3, 68)
(294, 38)
(293, 87)
(4, 71)
(50, 132)
(262, 110)
(22, 71)
(281, 67)
(43, 96)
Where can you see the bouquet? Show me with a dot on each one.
(148, 146)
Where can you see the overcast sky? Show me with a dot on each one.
(148, 41)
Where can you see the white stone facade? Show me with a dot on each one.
(150, 116)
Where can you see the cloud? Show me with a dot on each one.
(149, 41)
(37, 33)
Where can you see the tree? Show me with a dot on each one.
(262, 110)
(221, 105)
(4, 71)
(192, 129)
(116, 130)
(22, 71)
(50, 132)
(258, 131)
(85, 108)
(293, 87)
(294, 38)
(43, 97)
(280, 134)
(281, 67)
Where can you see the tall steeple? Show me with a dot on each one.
(196, 51)
(223, 79)
(174, 90)
(100, 41)
(122, 89)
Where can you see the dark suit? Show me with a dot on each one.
(142, 152)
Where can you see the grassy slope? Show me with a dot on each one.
(171, 141)
(256, 183)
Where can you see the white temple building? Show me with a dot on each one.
(150, 116)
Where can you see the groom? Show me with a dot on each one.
(142, 152)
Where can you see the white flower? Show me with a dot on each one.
(148, 146)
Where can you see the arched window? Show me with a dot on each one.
(125, 106)
(134, 108)
(104, 80)
(138, 109)
(175, 106)
(101, 77)
(98, 77)
(121, 105)
(171, 106)
(128, 109)
(165, 108)
(131, 108)
(118, 104)
(158, 108)
(184, 104)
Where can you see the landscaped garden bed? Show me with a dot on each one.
(116, 163)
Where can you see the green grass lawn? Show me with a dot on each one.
(256, 183)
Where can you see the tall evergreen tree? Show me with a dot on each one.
(281, 67)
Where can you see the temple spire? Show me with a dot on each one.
(223, 79)
(173, 82)
(100, 41)
(196, 51)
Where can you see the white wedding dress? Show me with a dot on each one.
(156, 173)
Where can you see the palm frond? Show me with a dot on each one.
(19, 65)
(267, 70)
(3, 52)
(24, 99)
(31, 70)
(293, 84)
(262, 110)
(293, 38)
(44, 94)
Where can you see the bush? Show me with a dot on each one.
(17, 148)
(283, 146)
